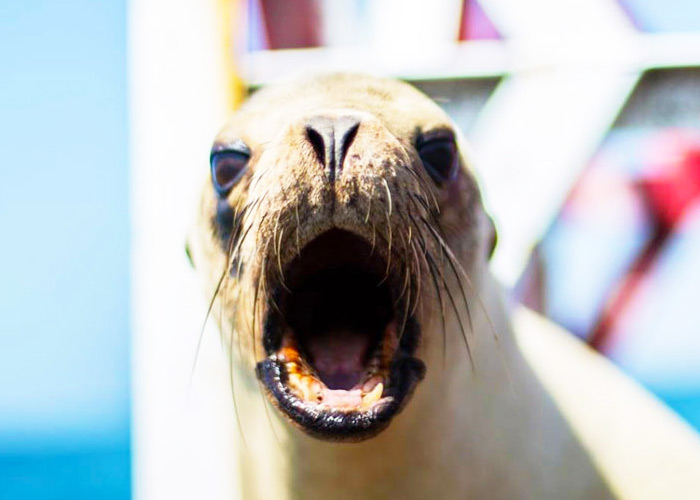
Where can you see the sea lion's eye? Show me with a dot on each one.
(439, 156)
(227, 167)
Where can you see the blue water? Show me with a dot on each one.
(687, 406)
(102, 474)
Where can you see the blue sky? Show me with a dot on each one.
(64, 217)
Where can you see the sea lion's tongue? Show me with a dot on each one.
(338, 357)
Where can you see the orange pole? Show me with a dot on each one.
(230, 17)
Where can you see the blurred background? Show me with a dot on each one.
(584, 122)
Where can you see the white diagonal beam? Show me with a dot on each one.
(532, 140)
(540, 127)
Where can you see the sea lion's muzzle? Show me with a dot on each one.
(330, 220)
(340, 328)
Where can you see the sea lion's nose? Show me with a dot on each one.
(331, 138)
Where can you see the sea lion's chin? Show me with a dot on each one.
(340, 336)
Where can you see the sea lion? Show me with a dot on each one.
(343, 242)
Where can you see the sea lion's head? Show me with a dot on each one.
(337, 230)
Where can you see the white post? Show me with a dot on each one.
(183, 428)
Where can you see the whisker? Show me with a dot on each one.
(388, 195)
(454, 265)
(425, 187)
(450, 257)
(279, 261)
(438, 290)
(224, 273)
(206, 319)
(459, 316)
(369, 205)
(232, 379)
(442, 311)
(296, 214)
(407, 307)
(264, 401)
(256, 295)
(409, 248)
(417, 273)
(388, 254)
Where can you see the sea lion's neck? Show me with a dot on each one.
(461, 430)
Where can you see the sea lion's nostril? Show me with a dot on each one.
(331, 138)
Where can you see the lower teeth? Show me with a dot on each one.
(374, 395)
(310, 388)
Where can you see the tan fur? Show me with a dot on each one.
(492, 430)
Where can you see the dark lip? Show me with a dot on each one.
(406, 372)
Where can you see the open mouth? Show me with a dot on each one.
(339, 340)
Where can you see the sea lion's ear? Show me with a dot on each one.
(188, 252)
(491, 236)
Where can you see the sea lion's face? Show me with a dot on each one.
(338, 219)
